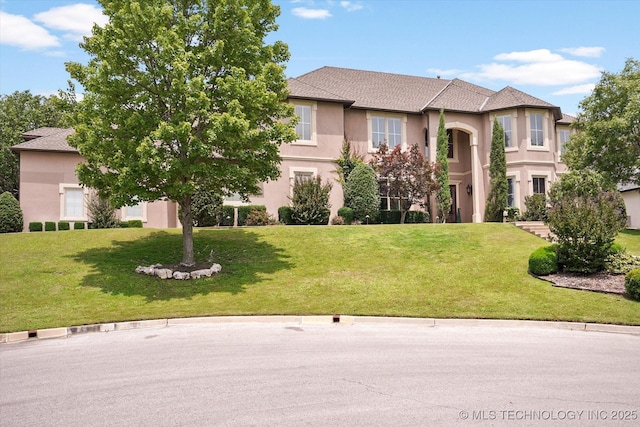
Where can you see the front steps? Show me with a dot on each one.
(538, 228)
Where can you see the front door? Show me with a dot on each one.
(451, 216)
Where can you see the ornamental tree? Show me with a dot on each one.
(182, 96)
(499, 192)
(443, 196)
(608, 138)
(405, 175)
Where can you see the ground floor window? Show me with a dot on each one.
(511, 192)
(539, 185)
(72, 203)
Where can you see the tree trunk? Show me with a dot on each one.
(403, 214)
(188, 258)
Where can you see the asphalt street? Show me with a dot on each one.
(282, 374)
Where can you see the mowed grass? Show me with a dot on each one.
(76, 277)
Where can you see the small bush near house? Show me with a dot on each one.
(389, 217)
(135, 223)
(206, 208)
(78, 226)
(259, 217)
(347, 215)
(35, 226)
(101, 213)
(63, 225)
(123, 224)
(243, 212)
(619, 261)
(11, 219)
(284, 215)
(310, 201)
(362, 193)
(543, 261)
(632, 284)
(535, 208)
(49, 226)
(228, 213)
(338, 220)
(513, 213)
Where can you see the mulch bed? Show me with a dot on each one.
(598, 282)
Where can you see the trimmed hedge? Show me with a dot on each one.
(347, 214)
(632, 284)
(284, 215)
(78, 225)
(388, 217)
(135, 223)
(243, 212)
(63, 225)
(49, 226)
(416, 217)
(544, 261)
(227, 216)
(35, 226)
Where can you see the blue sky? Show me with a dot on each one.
(551, 49)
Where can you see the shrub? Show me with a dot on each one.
(11, 219)
(361, 192)
(243, 212)
(535, 208)
(632, 284)
(284, 215)
(346, 214)
(310, 201)
(389, 217)
(123, 224)
(135, 223)
(35, 226)
(585, 215)
(543, 261)
(228, 212)
(49, 226)
(619, 261)
(416, 217)
(78, 225)
(338, 220)
(63, 225)
(259, 217)
(513, 213)
(206, 208)
(101, 213)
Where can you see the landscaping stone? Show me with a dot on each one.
(177, 272)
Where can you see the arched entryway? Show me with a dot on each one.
(464, 172)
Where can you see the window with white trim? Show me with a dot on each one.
(505, 122)
(306, 127)
(300, 174)
(539, 185)
(386, 129)
(511, 191)
(72, 202)
(536, 129)
(132, 212)
(563, 138)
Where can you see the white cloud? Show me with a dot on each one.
(306, 13)
(441, 72)
(351, 6)
(589, 52)
(76, 20)
(536, 67)
(16, 30)
(585, 89)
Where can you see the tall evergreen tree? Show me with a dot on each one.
(443, 196)
(499, 192)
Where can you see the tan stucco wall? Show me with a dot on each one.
(632, 203)
(41, 174)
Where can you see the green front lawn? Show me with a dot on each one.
(426, 270)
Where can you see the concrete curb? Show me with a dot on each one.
(14, 337)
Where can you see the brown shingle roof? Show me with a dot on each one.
(46, 139)
(374, 90)
(413, 94)
(567, 119)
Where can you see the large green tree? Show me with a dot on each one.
(608, 140)
(443, 195)
(182, 96)
(499, 192)
(21, 112)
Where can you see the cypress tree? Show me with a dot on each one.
(499, 192)
(443, 196)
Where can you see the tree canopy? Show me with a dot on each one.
(608, 138)
(182, 96)
(405, 175)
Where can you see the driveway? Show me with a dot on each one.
(293, 374)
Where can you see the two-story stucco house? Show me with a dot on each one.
(367, 108)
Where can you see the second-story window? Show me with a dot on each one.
(563, 138)
(537, 132)
(386, 130)
(505, 122)
(303, 128)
